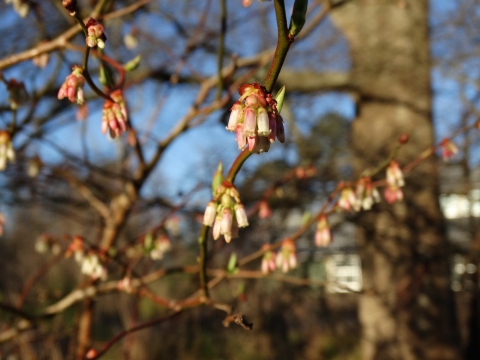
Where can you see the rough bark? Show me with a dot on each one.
(407, 311)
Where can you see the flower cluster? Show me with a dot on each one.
(114, 115)
(225, 213)
(72, 87)
(7, 154)
(89, 260)
(393, 191)
(366, 194)
(449, 149)
(323, 235)
(95, 36)
(255, 119)
(286, 258)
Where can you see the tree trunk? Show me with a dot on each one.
(406, 311)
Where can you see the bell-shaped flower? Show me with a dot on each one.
(286, 258)
(268, 260)
(323, 235)
(72, 87)
(347, 199)
(393, 193)
(395, 174)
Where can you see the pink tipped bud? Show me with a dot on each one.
(395, 174)
(323, 235)
(449, 149)
(264, 210)
(216, 228)
(393, 193)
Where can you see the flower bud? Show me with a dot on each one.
(241, 216)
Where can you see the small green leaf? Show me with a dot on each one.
(299, 14)
(217, 178)
(148, 242)
(305, 217)
(132, 64)
(232, 263)
(279, 98)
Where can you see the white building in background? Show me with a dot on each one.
(344, 273)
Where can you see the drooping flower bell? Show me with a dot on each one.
(7, 154)
(255, 119)
(348, 200)
(225, 213)
(268, 260)
(72, 87)
(366, 194)
(114, 115)
(287, 258)
(395, 181)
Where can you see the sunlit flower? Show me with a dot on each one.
(286, 258)
(347, 199)
(95, 36)
(323, 235)
(255, 119)
(393, 193)
(210, 213)
(366, 194)
(7, 154)
(92, 267)
(241, 216)
(395, 174)
(268, 260)
(72, 87)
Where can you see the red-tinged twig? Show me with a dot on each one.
(124, 333)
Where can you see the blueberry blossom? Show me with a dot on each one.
(95, 36)
(114, 115)
(72, 87)
(255, 119)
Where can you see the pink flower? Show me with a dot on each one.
(247, 3)
(323, 235)
(268, 260)
(366, 194)
(264, 210)
(72, 88)
(449, 149)
(287, 258)
(114, 117)
(395, 174)
(347, 199)
(393, 193)
(95, 36)
(254, 117)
